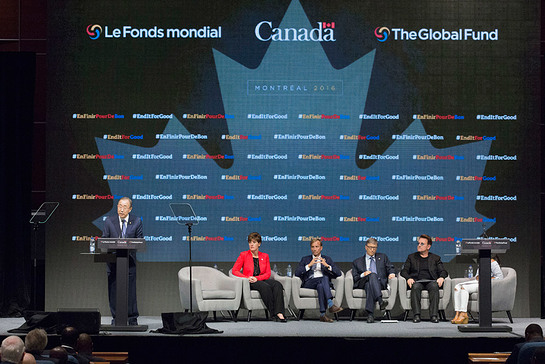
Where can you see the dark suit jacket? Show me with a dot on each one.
(412, 266)
(305, 275)
(72, 352)
(384, 268)
(112, 229)
(513, 358)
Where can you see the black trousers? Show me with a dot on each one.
(373, 286)
(272, 294)
(416, 295)
(112, 288)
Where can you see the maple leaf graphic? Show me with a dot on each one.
(299, 63)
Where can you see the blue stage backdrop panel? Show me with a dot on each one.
(344, 120)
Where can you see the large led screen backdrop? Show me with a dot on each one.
(345, 120)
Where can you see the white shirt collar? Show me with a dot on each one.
(120, 221)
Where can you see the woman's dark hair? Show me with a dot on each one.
(254, 236)
(497, 258)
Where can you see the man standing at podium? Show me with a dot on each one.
(123, 225)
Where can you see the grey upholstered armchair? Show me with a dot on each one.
(212, 290)
(405, 297)
(503, 293)
(306, 298)
(355, 298)
(251, 300)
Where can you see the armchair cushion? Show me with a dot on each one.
(218, 294)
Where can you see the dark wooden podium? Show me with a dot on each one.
(484, 247)
(122, 248)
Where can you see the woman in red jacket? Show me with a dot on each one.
(257, 269)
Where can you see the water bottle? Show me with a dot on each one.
(215, 266)
(458, 247)
(288, 271)
(275, 269)
(470, 272)
(92, 245)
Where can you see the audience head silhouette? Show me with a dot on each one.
(12, 349)
(35, 341)
(60, 354)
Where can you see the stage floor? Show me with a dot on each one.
(357, 328)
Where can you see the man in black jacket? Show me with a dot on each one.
(424, 270)
(533, 333)
(69, 337)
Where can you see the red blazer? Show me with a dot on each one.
(245, 261)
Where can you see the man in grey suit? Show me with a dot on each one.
(371, 273)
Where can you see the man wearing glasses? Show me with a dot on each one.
(424, 270)
(371, 273)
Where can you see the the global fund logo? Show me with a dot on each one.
(429, 34)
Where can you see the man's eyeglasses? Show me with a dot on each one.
(371, 247)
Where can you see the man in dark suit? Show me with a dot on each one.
(532, 333)
(424, 270)
(69, 337)
(123, 225)
(316, 272)
(371, 273)
(84, 347)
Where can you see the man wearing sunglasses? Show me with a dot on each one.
(424, 271)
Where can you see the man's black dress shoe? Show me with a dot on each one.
(383, 304)
(370, 319)
(434, 319)
(416, 319)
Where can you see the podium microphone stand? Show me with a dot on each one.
(184, 214)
